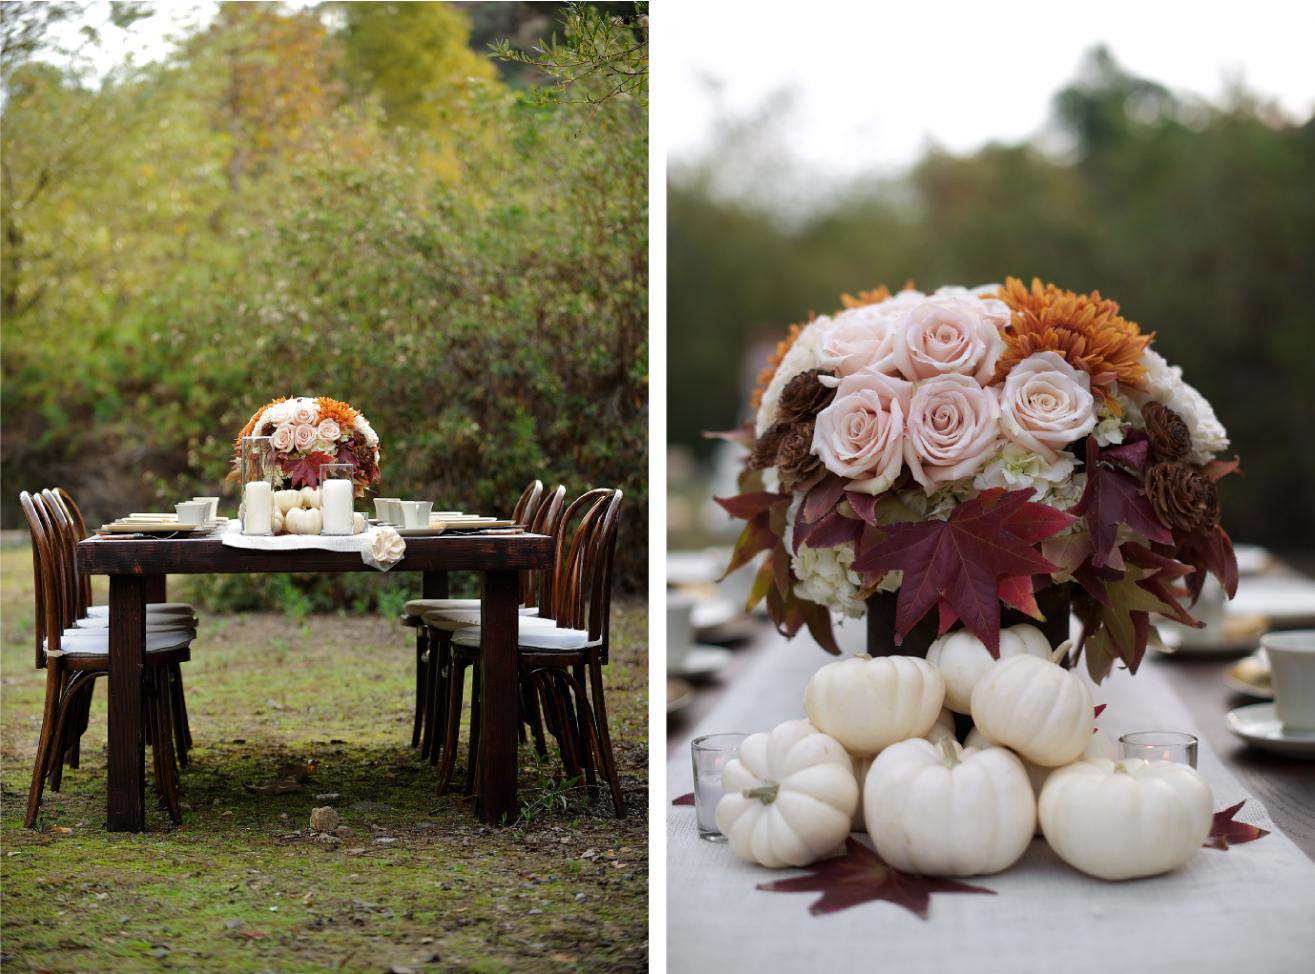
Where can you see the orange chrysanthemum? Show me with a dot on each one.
(251, 423)
(773, 363)
(341, 413)
(1086, 329)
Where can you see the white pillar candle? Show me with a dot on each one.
(257, 508)
(336, 506)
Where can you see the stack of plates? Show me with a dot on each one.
(158, 524)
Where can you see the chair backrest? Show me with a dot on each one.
(582, 579)
(80, 532)
(47, 623)
(528, 502)
(536, 586)
(64, 538)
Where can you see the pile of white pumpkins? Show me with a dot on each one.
(878, 753)
(297, 511)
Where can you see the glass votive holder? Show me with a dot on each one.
(710, 754)
(1172, 746)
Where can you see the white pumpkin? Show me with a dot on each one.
(1122, 820)
(941, 810)
(867, 704)
(358, 522)
(962, 659)
(1036, 708)
(286, 500)
(942, 730)
(310, 497)
(277, 520)
(302, 520)
(789, 796)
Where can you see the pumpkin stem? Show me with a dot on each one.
(862, 656)
(1061, 651)
(949, 751)
(764, 793)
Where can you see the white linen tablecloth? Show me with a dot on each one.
(1248, 910)
(362, 543)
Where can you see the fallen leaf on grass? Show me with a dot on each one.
(859, 876)
(1225, 832)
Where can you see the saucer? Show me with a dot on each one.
(700, 662)
(711, 613)
(1237, 636)
(1257, 725)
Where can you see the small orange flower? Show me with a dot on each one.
(341, 413)
(1086, 329)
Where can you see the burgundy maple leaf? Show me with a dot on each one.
(1224, 832)
(685, 799)
(305, 472)
(957, 564)
(860, 876)
(1113, 497)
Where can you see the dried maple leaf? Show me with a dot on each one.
(1113, 497)
(305, 472)
(957, 564)
(685, 799)
(1224, 832)
(860, 876)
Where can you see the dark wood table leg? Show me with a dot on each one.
(157, 588)
(499, 698)
(127, 757)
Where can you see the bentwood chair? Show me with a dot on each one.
(441, 621)
(562, 657)
(428, 677)
(74, 658)
(70, 528)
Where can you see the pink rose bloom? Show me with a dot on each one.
(950, 334)
(860, 436)
(1046, 404)
(282, 439)
(863, 338)
(304, 436)
(304, 415)
(329, 430)
(953, 426)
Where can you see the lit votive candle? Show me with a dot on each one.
(1174, 746)
(336, 506)
(257, 508)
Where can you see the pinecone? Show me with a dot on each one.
(1183, 497)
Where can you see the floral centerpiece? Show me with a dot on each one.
(306, 433)
(971, 449)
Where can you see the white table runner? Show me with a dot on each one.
(1249, 910)
(363, 543)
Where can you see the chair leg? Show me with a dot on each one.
(530, 703)
(585, 721)
(472, 751)
(180, 708)
(567, 735)
(452, 732)
(431, 728)
(84, 721)
(166, 783)
(422, 685)
(46, 740)
(67, 724)
(59, 742)
(605, 753)
(440, 651)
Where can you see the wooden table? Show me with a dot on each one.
(137, 570)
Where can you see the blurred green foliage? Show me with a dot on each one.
(266, 214)
(1198, 219)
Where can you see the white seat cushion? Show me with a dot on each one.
(90, 642)
(423, 607)
(153, 624)
(534, 634)
(450, 620)
(152, 608)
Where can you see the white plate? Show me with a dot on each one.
(711, 613)
(700, 661)
(420, 532)
(1257, 666)
(1282, 599)
(1258, 726)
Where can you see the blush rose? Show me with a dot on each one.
(860, 435)
(1046, 404)
(953, 426)
(948, 335)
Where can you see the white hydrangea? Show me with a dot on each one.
(1164, 384)
(363, 427)
(1109, 427)
(826, 575)
(801, 357)
(1014, 468)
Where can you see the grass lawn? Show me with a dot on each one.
(244, 885)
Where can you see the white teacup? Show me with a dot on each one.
(1292, 670)
(213, 512)
(384, 509)
(192, 514)
(415, 514)
(680, 628)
